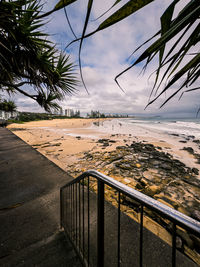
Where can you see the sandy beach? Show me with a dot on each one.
(163, 166)
(150, 161)
(63, 141)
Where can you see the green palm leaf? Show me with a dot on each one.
(63, 3)
(28, 57)
(186, 18)
(183, 27)
(128, 9)
(116, 2)
(192, 64)
(90, 3)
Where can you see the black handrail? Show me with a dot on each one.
(177, 218)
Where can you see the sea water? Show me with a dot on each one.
(142, 126)
(183, 126)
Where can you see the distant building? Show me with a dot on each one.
(69, 112)
(4, 115)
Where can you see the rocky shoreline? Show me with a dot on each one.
(156, 173)
(165, 167)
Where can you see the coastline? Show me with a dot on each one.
(53, 138)
(66, 141)
(151, 162)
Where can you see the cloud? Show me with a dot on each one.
(105, 54)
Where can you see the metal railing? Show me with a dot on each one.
(78, 217)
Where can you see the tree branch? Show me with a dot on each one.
(16, 87)
(22, 83)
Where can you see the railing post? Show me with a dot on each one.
(61, 208)
(174, 245)
(100, 225)
(141, 235)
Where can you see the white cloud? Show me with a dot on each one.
(104, 56)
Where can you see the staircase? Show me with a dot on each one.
(103, 235)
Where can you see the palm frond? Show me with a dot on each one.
(27, 54)
(183, 28)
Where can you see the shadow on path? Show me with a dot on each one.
(29, 207)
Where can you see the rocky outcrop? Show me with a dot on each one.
(153, 172)
(149, 170)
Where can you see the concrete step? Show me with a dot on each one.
(55, 250)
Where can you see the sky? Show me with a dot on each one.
(104, 55)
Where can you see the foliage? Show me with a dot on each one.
(7, 105)
(31, 116)
(28, 58)
(181, 62)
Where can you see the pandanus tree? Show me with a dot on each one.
(8, 105)
(176, 44)
(29, 63)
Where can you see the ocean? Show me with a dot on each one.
(140, 126)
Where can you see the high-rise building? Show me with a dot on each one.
(69, 112)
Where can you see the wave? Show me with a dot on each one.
(134, 126)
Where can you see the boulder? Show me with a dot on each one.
(138, 165)
(189, 149)
(164, 202)
(195, 171)
(196, 242)
(153, 189)
(185, 238)
(196, 215)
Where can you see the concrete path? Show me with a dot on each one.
(29, 207)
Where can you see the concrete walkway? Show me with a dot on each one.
(29, 207)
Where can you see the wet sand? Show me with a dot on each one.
(63, 141)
